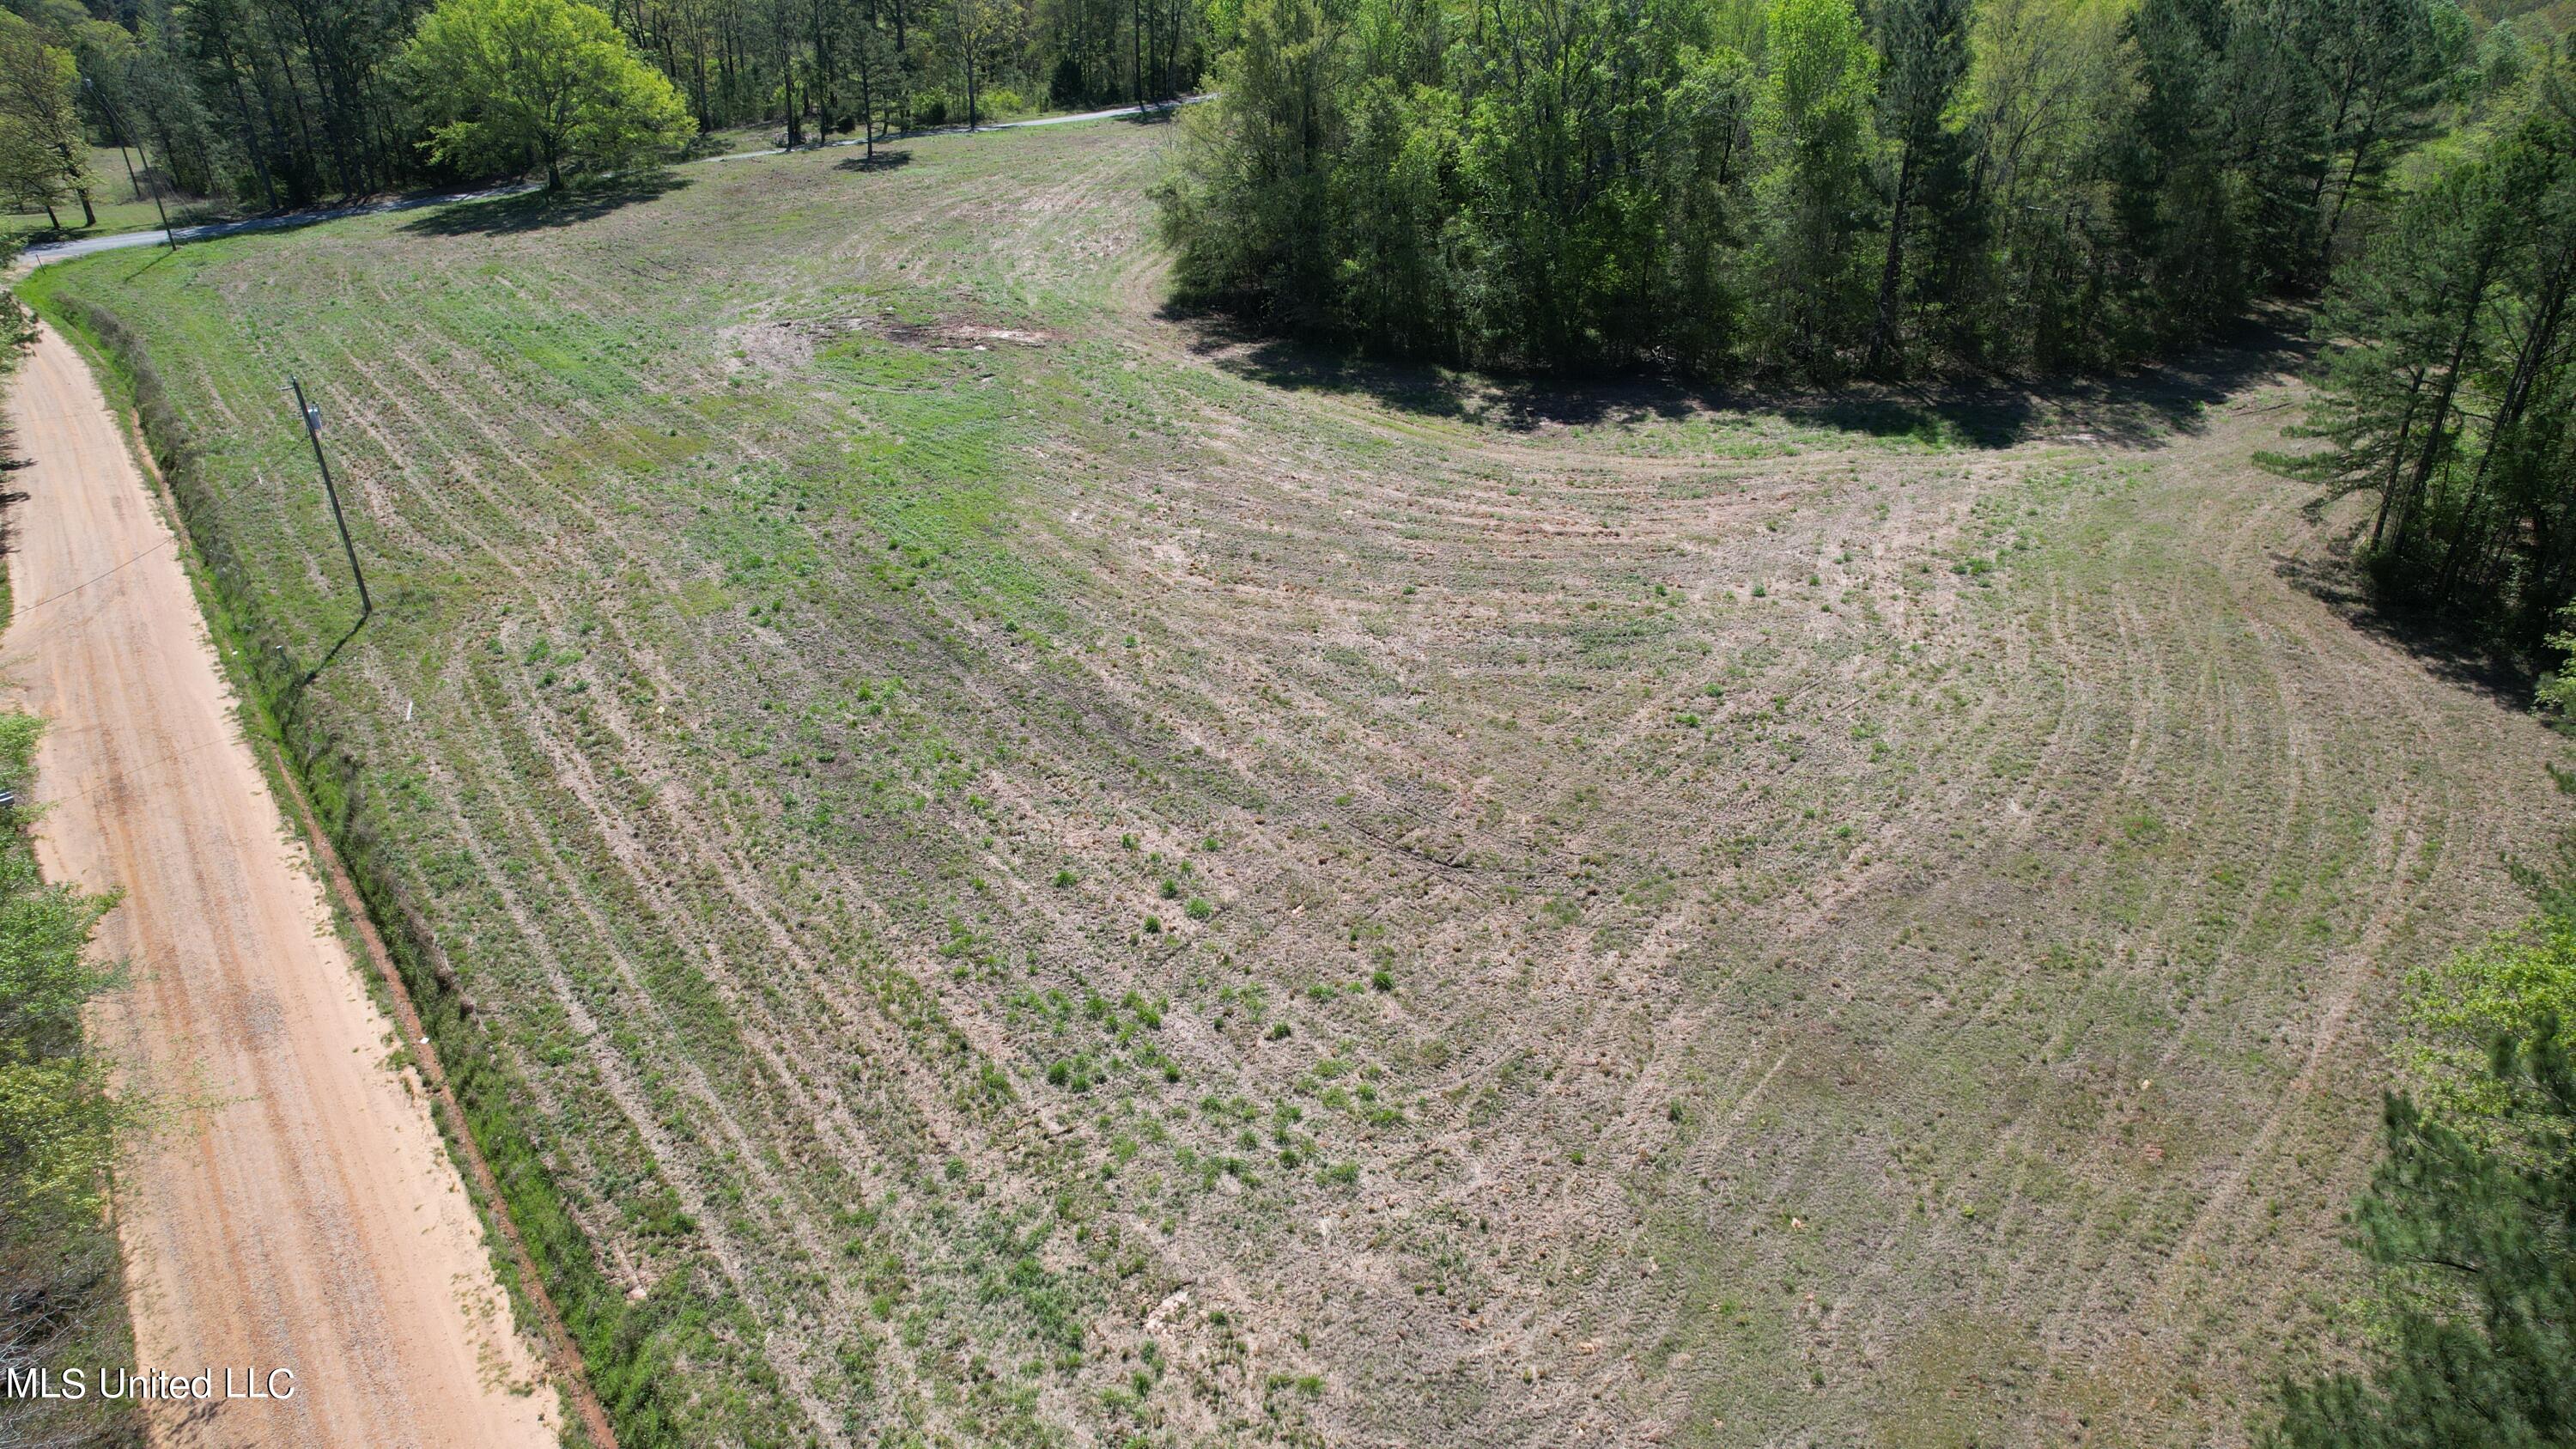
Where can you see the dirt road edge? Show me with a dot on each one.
(116, 374)
(571, 1376)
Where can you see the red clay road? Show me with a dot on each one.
(293, 1209)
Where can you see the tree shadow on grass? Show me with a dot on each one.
(2140, 409)
(2454, 651)
(544, 210)
(886, 159)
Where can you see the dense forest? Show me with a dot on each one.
(1817, 187)
(282, 103)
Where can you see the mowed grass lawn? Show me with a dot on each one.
(1036, 872)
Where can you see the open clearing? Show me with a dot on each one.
(294, 1208)
(1040, 872)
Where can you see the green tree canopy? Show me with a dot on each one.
(36, 84)
(31, 174)
(516, 83)
(1811, 126)
(2451, 376)
(2476, 1229)
(1802, 186)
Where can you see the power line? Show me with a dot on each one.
(118, 121)
(85, 583)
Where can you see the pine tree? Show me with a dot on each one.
(2477, 1233)
(2450, 374)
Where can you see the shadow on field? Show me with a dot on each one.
(2449, 650)
(295, 694)
(159, 255)
(2136, 410)
(544, 210)
(2139, 409)
(886, 159)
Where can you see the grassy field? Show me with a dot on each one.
(1030, 871)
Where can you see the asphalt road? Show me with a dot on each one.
(37, 256)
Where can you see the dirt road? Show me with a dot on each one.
(296, 1211)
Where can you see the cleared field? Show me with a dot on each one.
(1033, 872)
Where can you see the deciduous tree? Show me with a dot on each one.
(539, 83)
(36, 85)
(1813, 133)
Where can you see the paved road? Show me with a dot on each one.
(37, 256)
(297, 1210)
(1115, 113)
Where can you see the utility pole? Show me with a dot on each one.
(313, 431)
(113, 119)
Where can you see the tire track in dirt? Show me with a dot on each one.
(673, 1165)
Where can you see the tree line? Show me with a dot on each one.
(286, 103)
(1813, 187)
(2447, 384)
